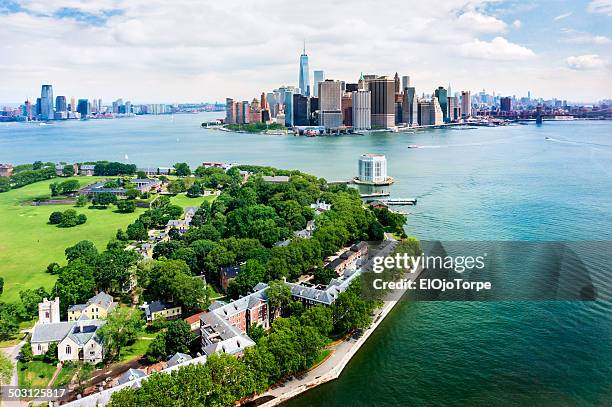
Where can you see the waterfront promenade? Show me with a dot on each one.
(342, 352)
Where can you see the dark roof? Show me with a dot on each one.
(335, 263)
(359, 246)
(230, 271)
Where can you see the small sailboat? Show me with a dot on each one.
(126, 157)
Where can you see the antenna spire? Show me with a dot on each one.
(304, 46)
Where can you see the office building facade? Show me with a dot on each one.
(318, 76)
(304, 74)
(442, 96)
(46, 102)
(330, 104)
(362, 111)
(466, 103)
(383, 101)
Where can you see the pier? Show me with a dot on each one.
(400, 201)
(374, 195)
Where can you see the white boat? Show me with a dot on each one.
(414, 146)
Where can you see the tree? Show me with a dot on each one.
(68, 170)
(156, 350)
(182, 169)
(9, 323)
(121, 328)
(51, 354)
(178, 337)
(114, 268)
(171, 281)
(70, 185)
(141, 175)
(81, 218)
(132, 193)
(320, 318)
(121, 235)
(126, 206)
(82, 200)
(69, 219)
(278, 294)
(256, 332)
(104, 199)
(53, 268)
(26, 354)
(30, 299)
(55, 218)
(82, 250)
(6, 369)
(137, 231)
(54, 187)
(195, 190)
(5, 184)
(75, 284)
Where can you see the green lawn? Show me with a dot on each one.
(183, 200)
(34, 373)
(65, 375)
(138, 348)
(28, 244)
(321, 357)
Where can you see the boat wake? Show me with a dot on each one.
(576, 142)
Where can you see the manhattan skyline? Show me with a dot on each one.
(553, 49)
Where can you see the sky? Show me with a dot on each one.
(154, 51)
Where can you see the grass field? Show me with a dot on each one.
(28, 244)
(183, 200)
(138, 348)
(65, 375)
(34, 373)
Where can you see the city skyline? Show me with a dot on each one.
(506, 47)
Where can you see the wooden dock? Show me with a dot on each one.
(400, 201)
(375, 194)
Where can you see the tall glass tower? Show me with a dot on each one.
(304, 73)
(46, 102)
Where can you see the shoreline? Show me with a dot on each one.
(333, 372)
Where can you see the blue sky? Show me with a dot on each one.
(159, 51)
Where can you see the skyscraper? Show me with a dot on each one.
(304, 73)
(405, 82)
(466, 103)
(319, 76)
(330, 104)
(430, 112)
(289, 108)
(73, 104)
(46, 102)
(83, 108)
(505, 104)
(60, 104)
(362, 112)
(300, 110)
(383, 101)
(442, 98)
(230, 111)
(396, 79)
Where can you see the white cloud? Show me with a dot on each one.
(499, 49)
(562, 16)
(585, 62)
(600, 7)
(481, 22)
(585, 38)
(159, 51)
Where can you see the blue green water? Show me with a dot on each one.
(507, 183)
